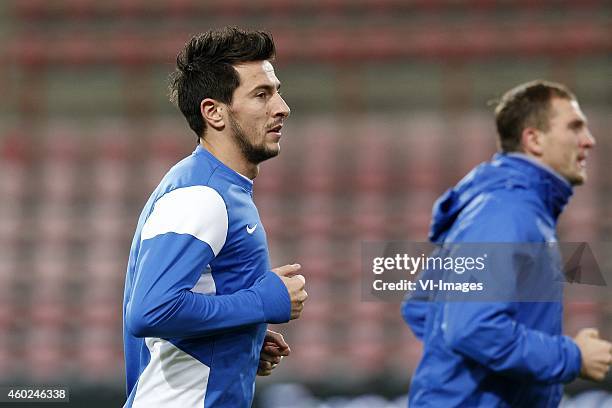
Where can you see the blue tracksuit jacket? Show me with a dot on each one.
(199, 291)
(494, 354)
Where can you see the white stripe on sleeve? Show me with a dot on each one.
(197, 210)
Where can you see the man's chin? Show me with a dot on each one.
(578, 179)
(261, 155)
(272, 150)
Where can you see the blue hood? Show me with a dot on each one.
(502, 172)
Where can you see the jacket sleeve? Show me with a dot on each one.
(415, 314)
(416, 307)
(489, 333)
(183, 234)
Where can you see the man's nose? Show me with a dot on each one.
(281, 108)
(588, 139)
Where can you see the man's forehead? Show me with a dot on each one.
(256, 71)
(267, 67)
(562, 106)
(576, 107)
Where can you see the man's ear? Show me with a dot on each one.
(532, 140)
(211, 110)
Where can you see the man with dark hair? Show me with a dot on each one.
(199, 290)
(508, 353)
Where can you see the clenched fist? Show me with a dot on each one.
(273, 350)
(295, 287)
(596, 354)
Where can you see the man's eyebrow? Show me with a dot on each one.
(577, 123)
(267, 87)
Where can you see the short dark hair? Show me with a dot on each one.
(527, 105)
(204, 68)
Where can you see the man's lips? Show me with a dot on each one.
(276, 129)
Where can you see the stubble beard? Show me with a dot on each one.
(578, 179)
(253, 153)
(577, 174)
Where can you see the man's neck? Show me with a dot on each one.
(232, 157)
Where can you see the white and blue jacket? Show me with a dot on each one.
(199, 291)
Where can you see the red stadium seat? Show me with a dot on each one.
(44, 355)
(423, 162)
(11, 225)
(99, 354)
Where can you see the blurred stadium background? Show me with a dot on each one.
(389, 109)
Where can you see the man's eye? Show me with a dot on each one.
(261, 95)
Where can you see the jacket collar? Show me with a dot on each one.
(551, 187)
(236, 177)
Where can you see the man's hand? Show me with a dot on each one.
(272, 352)
(596, 354)
(295, 287)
